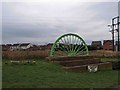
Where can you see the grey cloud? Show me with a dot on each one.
(40, 23)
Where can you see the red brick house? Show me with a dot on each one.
(97, 44)
(46, 47)
(107, 45)
(49, 45)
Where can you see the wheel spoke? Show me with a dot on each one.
(70, 43)
(66, 44)
(79, 48)
(62, 40)
(59, 52)
(81, 51)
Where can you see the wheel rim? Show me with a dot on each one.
(69, 45)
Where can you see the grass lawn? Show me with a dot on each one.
(49, 75)
(111, 59)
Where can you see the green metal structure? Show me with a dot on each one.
(69, 45)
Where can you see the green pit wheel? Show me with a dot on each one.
(69, 45)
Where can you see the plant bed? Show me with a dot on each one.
(80, 63)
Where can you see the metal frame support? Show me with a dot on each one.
(118, 34)
(113, 30)
(113, 34)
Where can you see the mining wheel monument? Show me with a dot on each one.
(71, 51)
(69, 45)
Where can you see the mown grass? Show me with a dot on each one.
(49, 75)
(111, 59)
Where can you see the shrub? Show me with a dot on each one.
(24, 54)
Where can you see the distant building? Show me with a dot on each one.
(97, 44)
(46, 47)
(49, 45)
(34, 48)
(43, 47)
(107, 45)
(25, 46)
(22, 46)
(9, 46)
(15, 47)
(6, 47)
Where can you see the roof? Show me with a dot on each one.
(8, 44)
(3, 45)
(50, 44)
(16, 44)
(24, 44)
(104, 41)
(96, 43)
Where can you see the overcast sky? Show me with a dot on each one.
(44, 22)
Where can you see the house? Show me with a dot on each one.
(107, 45)
(49, 46)
(25, 46)
(34, 48)
(43, 47)
(97, 44)
(9, 46)
(6, 47)
(22, 46)
(46, 47)
(15, 47)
